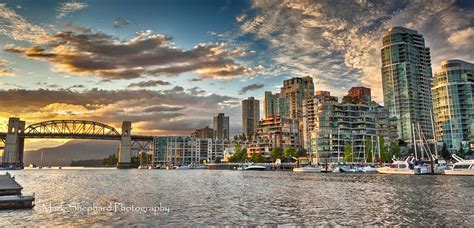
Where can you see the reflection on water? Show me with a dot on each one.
(179, 197)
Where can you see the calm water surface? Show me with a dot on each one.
(184, 197)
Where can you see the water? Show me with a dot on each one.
(184, 197)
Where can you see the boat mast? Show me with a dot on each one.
(414, 139)
(434, 134)
(338, 145)
(378, 147)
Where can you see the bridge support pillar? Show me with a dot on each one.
(124, 157)
(14, 145)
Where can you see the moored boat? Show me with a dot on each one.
(461, 167)
(307, 169)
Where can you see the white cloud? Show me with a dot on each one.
(462, 38)
(66, 8)
(16, 27)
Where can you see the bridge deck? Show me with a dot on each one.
(80, 136)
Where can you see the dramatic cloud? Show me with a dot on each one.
(98, 54)
(250, 87)
(66, 8)
(338, 42)
(173, 111)
(151, 83)
(4, 71)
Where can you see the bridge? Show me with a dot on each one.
(14, 138)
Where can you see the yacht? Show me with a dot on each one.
(398, 167)
(251, 166)
(367, 169)
(461, 167)
(307, 169)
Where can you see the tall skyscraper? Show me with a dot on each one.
(221, 127)
(453, 104)
(293, 93)
(250, 115)
(406, 79)
(271, 107)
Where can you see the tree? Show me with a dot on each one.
(348, 153)
(240, 154)
(394, 149)
(445, 153)
(301, 153)
(257, 158)
(290, 152)
(384, 153)
(277, 153)
(368, 149)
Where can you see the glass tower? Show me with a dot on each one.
(453, 103)
(406, 79)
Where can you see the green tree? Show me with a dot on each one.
(394, 149)
(301, 153)
(240, 154)
(290, 152)
(445, 153)
(384, 153)
(277, 153)
(257, 158)
(368, 149)
(348, 153)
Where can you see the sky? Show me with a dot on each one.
(169, 66)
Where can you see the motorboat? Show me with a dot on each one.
(250, 166)
(346, 169)
(367, 169)
(183, 167)
(461, 167)
(307, 169)
(398, 167)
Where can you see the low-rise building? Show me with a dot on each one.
(184, 150)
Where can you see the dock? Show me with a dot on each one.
(11, 196)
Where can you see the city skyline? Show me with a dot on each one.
(194, 71)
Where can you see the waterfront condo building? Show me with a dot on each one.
(250, 116)
(406, 79)
(453, 104)
(184, 150)
(293, 94)
(221, 127)
(332, 125)
(274, 132)
(271, 104)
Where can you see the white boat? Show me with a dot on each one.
(397, 167)
(183, 167)
(307, 169)
(367, 169)
(461, 167)
(251, 166)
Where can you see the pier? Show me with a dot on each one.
(10, 194)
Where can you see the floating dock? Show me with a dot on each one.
(10, 194)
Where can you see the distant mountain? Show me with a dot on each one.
(73, 150)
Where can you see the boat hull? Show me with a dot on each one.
(307, 170)
(388, 170)
(459, 172)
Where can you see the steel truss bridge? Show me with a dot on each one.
(72, 129)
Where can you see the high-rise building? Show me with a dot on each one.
(271, 104)
(358, 95)
(221, 127)
(293, 93)
(250, 115)
(406, 79)
(453, 104)
(205, 132)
